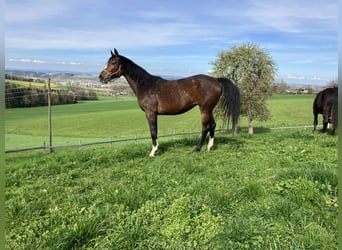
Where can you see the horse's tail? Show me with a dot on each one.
(230, 102)
(318, 103)
(315, 103)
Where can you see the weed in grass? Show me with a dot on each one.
(252, 190)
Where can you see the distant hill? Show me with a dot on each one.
(36, 74)
(62, 77)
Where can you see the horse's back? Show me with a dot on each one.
(193, 86)
(324, 99)
(178, 96)
(207, 88)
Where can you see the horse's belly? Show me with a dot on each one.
(174, 109)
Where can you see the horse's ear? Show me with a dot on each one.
(111, 52)
(116, 52)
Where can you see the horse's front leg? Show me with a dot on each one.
(152, 122)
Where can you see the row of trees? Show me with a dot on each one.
(20, 78)
(18, 96)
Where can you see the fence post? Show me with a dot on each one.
(49, 116)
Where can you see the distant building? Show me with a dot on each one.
(300, 91)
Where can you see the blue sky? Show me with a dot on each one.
(178, 38)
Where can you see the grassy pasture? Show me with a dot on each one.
(122, 118)
(273, 190)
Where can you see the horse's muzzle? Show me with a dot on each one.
(104, 78)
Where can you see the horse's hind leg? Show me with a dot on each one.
(201, 141)
(212, 126)
(205, 129)
(315, 121)
(208, 124)
(325, 126)
(152, 122)
(325, 120)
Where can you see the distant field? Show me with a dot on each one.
(36, 84)
(121, 117)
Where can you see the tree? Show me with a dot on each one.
(333, 83)
(253, 70)
(280, 87)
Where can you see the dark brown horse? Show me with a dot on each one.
(157, 96)
(326, 103)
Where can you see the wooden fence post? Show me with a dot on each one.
(49, 116)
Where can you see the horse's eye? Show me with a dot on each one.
(113, 63)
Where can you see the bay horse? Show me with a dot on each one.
(158, 96)
(326, 103)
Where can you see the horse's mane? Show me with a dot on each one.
(137, 73)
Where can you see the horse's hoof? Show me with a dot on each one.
(196, 150)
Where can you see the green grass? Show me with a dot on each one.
(273, 190)
(290, 110)
(276, 189)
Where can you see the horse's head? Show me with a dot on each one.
(113, 68)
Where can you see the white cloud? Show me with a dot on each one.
(26, 60)
(71, 25)
(137, 36)
(296, 33)
(295, 16)
(33, 10)
(38, 61)
(305, 79)
(70, 63)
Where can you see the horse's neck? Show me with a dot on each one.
(137, 80)
(132, 83)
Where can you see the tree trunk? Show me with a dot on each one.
(250, 123)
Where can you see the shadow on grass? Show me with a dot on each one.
(256, 130)
(189, 144)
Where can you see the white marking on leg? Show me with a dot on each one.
(210, 143)
(154, 150)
